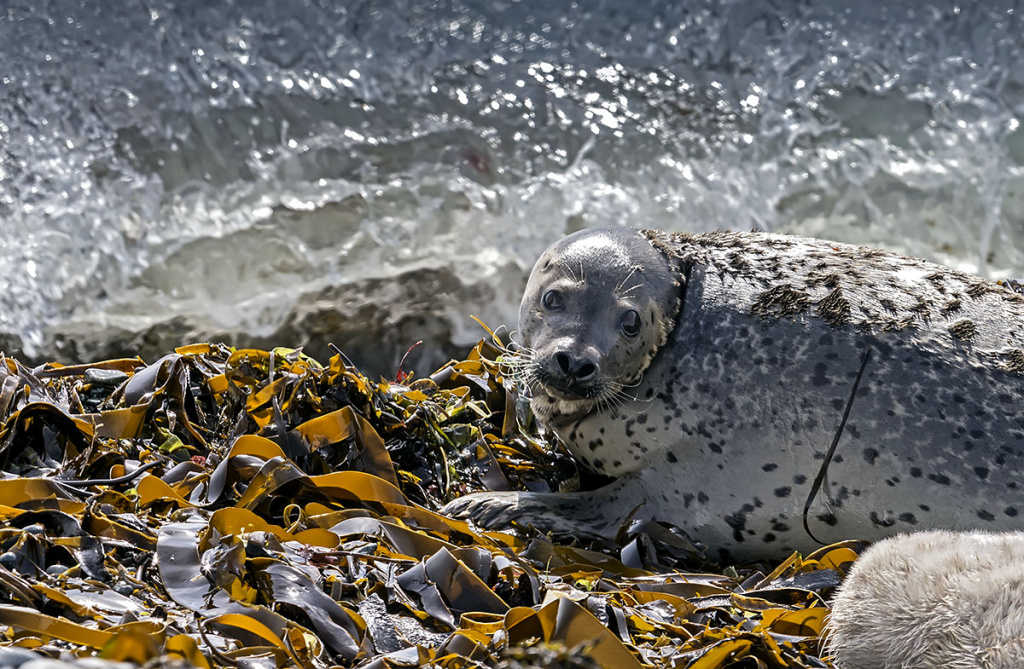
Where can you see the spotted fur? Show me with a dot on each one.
(731, 422)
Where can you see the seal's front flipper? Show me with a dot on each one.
(600, 512)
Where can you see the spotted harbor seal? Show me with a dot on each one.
(932, 600)
(711, 374)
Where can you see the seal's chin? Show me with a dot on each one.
(555, 406)
(552, 411)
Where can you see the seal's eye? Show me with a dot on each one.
(630, 323)
(552, 300)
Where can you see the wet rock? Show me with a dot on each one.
(374, 321)
(14, 658)
(47, 663)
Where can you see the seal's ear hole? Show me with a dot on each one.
(630, 323)
(553, 300)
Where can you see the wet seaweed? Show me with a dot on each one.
(225, 506)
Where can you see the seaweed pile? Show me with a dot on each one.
(222, 508)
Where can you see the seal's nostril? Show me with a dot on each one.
(579, 368)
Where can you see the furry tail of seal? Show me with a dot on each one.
(931, 600)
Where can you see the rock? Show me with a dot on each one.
(14, 658)
(373, 320)
(47, 663)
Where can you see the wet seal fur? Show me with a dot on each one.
(932, 600)
(718, 414)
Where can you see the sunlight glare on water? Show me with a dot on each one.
(225, 162)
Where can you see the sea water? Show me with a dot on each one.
(372, 173)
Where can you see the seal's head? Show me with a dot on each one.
(598, 306)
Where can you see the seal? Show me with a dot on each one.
(932, 600)
(720, 376)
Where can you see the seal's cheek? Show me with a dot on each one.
(533, 328)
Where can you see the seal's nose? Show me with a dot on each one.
(579, 368)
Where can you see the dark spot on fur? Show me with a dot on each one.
(799, 479)
(702, 497)
(982, 472)
(770, 467)
(908, 518)
(979, 288)
(783, 491)
(738, 522)
(924, 507)
(915, 472)
(828, 518)
(1010, 511)
(780, 301)
(941, 479)
(985, 515)
(671, 457)
(870, 455)
(834, 309)
(878, 521)
(1013, 361)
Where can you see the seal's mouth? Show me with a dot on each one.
(567, 389)
(558, 398)
(564, 394)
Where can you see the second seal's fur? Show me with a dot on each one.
(933, 600)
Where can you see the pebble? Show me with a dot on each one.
(20, 658)
(46, 663)
(16, 657)
(97, 663)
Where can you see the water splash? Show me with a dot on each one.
(232, 162)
